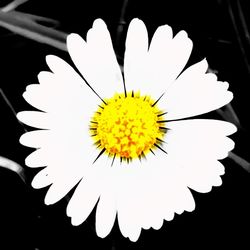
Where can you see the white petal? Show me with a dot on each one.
(135, 234)
(34, 119)
(199, 138)
(171, 193)
(67, 163)
(204, 126)
(36, 159)
(199, 143)
(55, 96)
(105, 214)
(180, 53)
(64, 75)
(127, 189)
(135, 58)
(147, 192)
(161, 39)
(195, 93)
(65, 84)
(46, 78)
(201, 176)
(37, 97)
(96, 60)
(61, 68)
(186, 200)
(167, 58)
(153, 71)
(151, 196)
(57, 90)
(35, 139)
(42, 179)
(128, 222)
(169, 215)
(85, 197)
(61, 186)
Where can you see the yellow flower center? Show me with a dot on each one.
(128, 126)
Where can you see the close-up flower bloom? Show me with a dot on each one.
(122, 138)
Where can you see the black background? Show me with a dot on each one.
(221, 217)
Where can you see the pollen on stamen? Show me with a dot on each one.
(128, 126)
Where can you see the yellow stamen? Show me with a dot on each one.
(127, 126)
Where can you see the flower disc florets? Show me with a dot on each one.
(127, 126)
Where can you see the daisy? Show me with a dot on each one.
(124, 142)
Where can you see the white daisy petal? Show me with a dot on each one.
(201, 176)
(158, 224)
(161, 39)
(61, 187)
(46, 78)
(105, 214)
(36, 96)
(151, 210)
(147, 69)
(85, 197)
(34, 119)
(42, 179)
(174, 194)
(35, 139)
(135, 58)
(180, 53)
(167, 58)
(200, 143)
(208, 138)
(60, 67)
(151, 195)
(127, 199)
(127, 221)
(157, 63)
(42, 96)
(134, 234)
(106, 207)
(36, 159)
(195, 93)
(96, 59)
(186, 200)
(64, 75)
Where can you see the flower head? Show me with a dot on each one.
(122, 141)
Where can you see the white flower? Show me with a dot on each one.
(116, 139)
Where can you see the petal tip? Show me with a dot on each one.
(72, 37)
(167, 29)
(75, 221)
(230, 96)
(191, 208)
(41, 76)
(101, 234)
(182, 35)
(204, 63)
(19, 115)
(134, 238)
(22, 140)
(99, 23)
(31, 162)
(47, 203)
(48, 200)
(68, 211)
(136, 22)
(34, 184)
(49, 59)
(27, 162)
